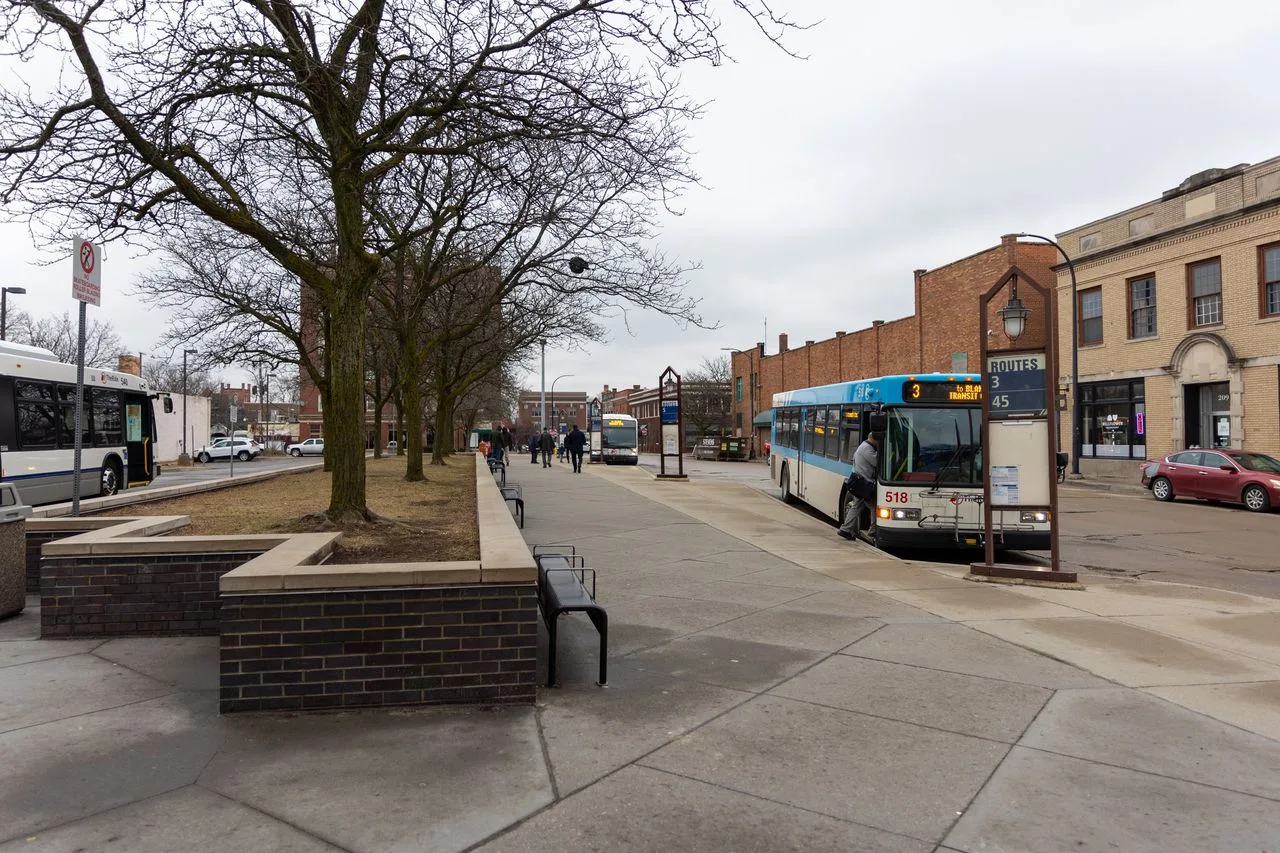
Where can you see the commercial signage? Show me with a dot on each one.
(1017, 382)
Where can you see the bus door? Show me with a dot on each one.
(139, 440)
(804, 444)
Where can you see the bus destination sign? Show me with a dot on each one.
(949, 391)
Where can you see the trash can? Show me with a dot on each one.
(13, 550)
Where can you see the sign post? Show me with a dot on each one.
(1019, 451)
(86, 287)
(669, 406)
(595, 431)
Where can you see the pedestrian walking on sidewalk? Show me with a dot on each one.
(533, 448)
(862, 485)
(576, 441)
(546, 444)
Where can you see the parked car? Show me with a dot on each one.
(1235, 476)
(244, 450)
(392, 445)
(310, 447)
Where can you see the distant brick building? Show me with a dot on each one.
(942, 335)
(563, 407)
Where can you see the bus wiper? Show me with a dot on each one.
(933, 489)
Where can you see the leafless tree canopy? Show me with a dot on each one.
(308, 128)
(60, 334)
(706, 397)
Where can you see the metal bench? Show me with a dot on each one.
(498, 468)
(562, 588)
(513, 494)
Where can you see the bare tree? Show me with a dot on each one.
(706, 397)
(285, 121)
(163, 375)
(60, 334)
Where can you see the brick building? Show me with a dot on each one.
(942, 335)
(1179, 321)
(563, 407)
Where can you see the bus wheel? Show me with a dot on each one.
(110, 478)
(787, 497)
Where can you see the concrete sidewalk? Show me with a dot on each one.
(772, 687)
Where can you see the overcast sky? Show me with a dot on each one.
(915, 133)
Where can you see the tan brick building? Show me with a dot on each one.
(1179, 322)
(942, 335)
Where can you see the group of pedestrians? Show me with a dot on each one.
(571, 445)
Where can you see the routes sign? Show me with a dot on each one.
(86, 271)
(1017, 382)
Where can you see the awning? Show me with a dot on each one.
(764, 418)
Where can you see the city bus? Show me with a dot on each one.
(619, 439)
(929, 486)
(37, 427)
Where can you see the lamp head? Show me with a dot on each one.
(15, 290)
(1014, 316)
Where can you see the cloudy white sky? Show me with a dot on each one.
(915, 133)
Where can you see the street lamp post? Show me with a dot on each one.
(4, 308)
(542, 397)
(553, 390)
(184, 458)
(1076, 436)
(751, 394)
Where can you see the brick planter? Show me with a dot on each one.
(133, 595)
(360, 648)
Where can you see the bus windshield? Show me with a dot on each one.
(620, 437)
(935, 446)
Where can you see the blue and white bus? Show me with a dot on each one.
(929, 490)
(37, 427)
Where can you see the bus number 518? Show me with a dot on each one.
(895, 497)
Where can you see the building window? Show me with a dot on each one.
(737, 389)
(1269, 280)
(1142, 306)
(1113, 417)
(1089, 242)
(1091, 316)
(1204, 293)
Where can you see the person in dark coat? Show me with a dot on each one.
(575, 441)
(533, 448)
(547, 444)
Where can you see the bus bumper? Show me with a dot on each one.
(890, 538)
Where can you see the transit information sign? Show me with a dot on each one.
(1017, 383)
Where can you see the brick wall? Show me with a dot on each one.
(326, 649)
(35, 541)
(137, 595)
(946, 321)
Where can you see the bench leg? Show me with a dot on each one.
(551, 650)
(520, 506)
(601, 620)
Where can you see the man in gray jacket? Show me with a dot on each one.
(866, 464)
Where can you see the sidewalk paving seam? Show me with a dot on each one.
(284, 821)
(54, 827)
(172, 692)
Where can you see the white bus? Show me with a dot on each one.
(619, 440)
(37, 427)
(929, 487)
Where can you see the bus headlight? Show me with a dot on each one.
(899, 514)
(1033, 516)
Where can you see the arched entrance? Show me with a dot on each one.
(1207, 393)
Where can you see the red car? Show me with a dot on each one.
(1252, 479)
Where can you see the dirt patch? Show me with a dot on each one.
(421, 522)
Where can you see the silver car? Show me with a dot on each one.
(310, 447)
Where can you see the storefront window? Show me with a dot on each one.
(1114, 416)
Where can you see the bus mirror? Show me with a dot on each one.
(875, 422)
(168, 405)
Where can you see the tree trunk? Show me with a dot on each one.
(444, 434)
(377, 415)
(344, 417)
(411, 409)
